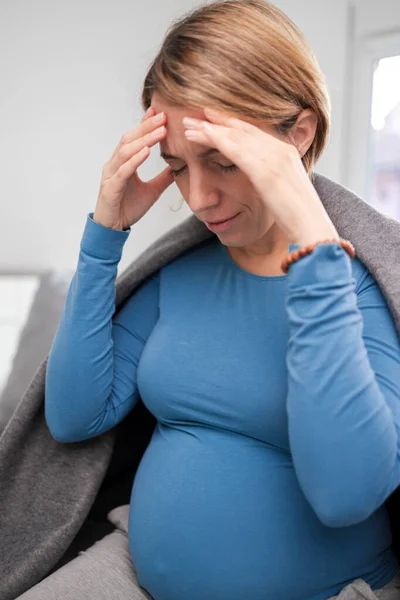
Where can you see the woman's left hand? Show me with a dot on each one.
(274, 168)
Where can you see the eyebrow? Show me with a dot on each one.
(203, 154)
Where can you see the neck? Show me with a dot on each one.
(272, 246)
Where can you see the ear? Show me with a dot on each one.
(303, 131)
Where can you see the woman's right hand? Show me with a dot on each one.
(123, 197)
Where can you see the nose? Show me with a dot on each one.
(203, 196)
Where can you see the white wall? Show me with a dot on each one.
(374, 17)
(70, 85)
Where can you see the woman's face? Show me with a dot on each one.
(212, 188)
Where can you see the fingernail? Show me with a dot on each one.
(189, 122)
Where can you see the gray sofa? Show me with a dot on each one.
(35, 338)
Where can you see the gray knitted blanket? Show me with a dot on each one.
(48, 488)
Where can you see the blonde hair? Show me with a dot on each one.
(245, 57)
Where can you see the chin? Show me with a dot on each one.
(236, 240)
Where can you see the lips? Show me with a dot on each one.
(222, 220)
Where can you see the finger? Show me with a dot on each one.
(147, 125)
(127, 169)
(150, 112)
(224, 125)
(128, 150)
(218, 117)
(234, 144)
(227, 140)
(210, 132)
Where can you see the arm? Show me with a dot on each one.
(90, 381)
(343, 389)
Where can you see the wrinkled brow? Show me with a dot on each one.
(203, 154)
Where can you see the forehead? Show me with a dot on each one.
(175, 127)
(175, 113)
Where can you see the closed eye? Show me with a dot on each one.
(223, 168)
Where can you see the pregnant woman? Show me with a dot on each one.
(267, 354)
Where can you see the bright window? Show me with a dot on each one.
(371, 156)
(383, 183)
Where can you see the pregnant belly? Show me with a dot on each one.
(217, 515)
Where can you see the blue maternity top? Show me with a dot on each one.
(277, 402)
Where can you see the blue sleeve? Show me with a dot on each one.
(344, 387)
(90, 383)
